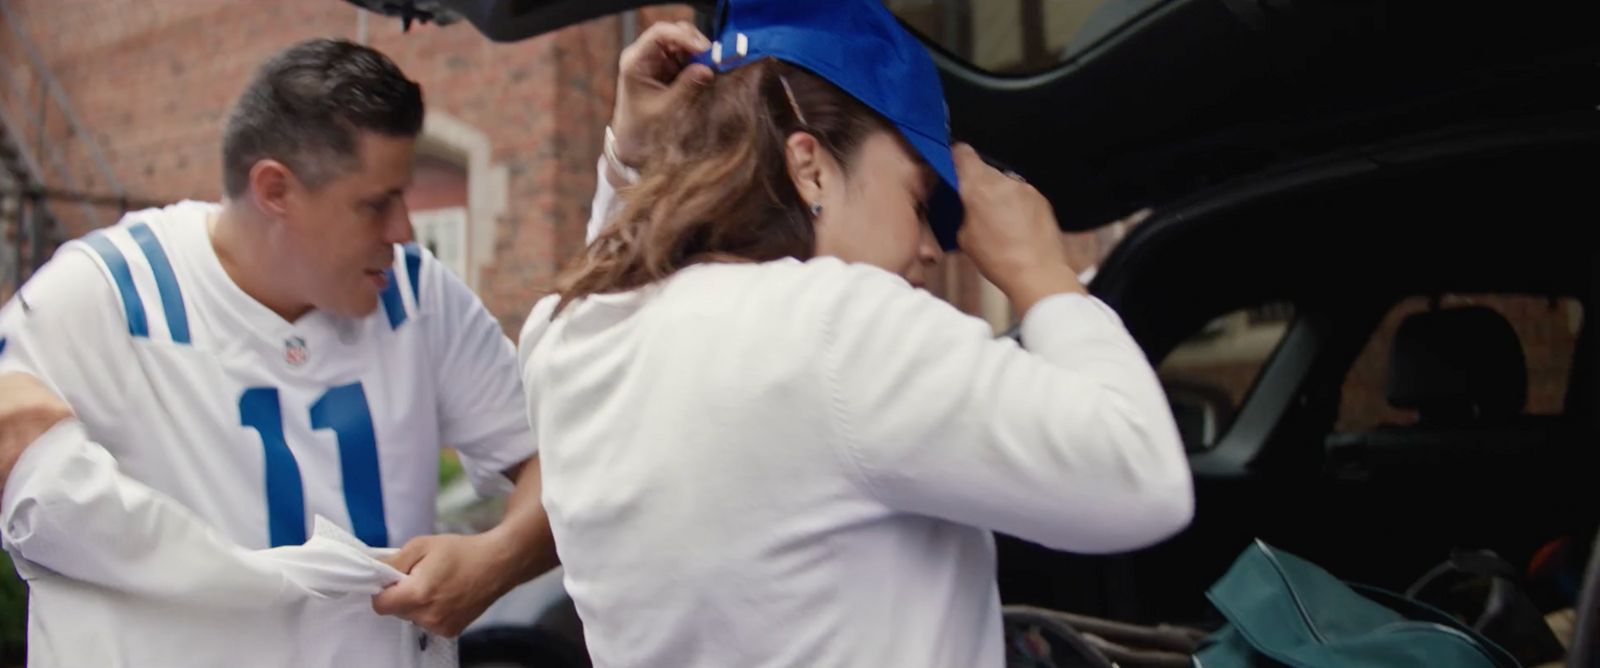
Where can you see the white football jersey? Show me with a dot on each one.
(254, 424)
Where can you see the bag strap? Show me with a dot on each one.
(1501, 610)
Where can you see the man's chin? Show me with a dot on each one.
(355, 309)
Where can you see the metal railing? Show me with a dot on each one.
(37, 122)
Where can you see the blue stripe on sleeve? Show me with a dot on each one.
(132, 305)
(166, 281)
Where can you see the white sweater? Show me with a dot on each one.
(800, 463)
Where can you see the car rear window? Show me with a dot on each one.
(1546, 328)
(1017, 37)
(1209, 375)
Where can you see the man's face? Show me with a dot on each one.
(342, 236)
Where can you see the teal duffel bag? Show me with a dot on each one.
(1284, 611)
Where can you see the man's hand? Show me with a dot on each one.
(450, 580)
(28, 409)
(649, 85)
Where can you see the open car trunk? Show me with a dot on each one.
(1167, 99)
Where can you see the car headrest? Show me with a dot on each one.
(1458, 364)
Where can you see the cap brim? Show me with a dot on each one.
(944, 207)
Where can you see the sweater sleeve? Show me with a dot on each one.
(1068, 442)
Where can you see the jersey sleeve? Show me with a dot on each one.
(65, 326)
(481, 408)
(1068, 442)
(68, 510)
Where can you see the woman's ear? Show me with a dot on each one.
(805, 157)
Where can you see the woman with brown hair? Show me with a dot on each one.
(762, 444)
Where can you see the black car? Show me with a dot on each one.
(1365, 270)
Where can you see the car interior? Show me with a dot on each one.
(1466, 466)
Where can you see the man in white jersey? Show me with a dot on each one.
(242, 373)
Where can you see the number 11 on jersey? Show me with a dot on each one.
(342, 409)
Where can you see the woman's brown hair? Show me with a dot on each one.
(715, 183)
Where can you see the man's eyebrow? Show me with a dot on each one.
(387, 194)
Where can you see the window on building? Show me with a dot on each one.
(437, 201)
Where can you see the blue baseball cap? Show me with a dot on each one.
(859, 46)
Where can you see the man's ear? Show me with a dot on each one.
(270, 185)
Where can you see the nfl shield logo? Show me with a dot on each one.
(294, 351)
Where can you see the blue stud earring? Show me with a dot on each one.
(816, 210)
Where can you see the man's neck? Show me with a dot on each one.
(238, 237)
